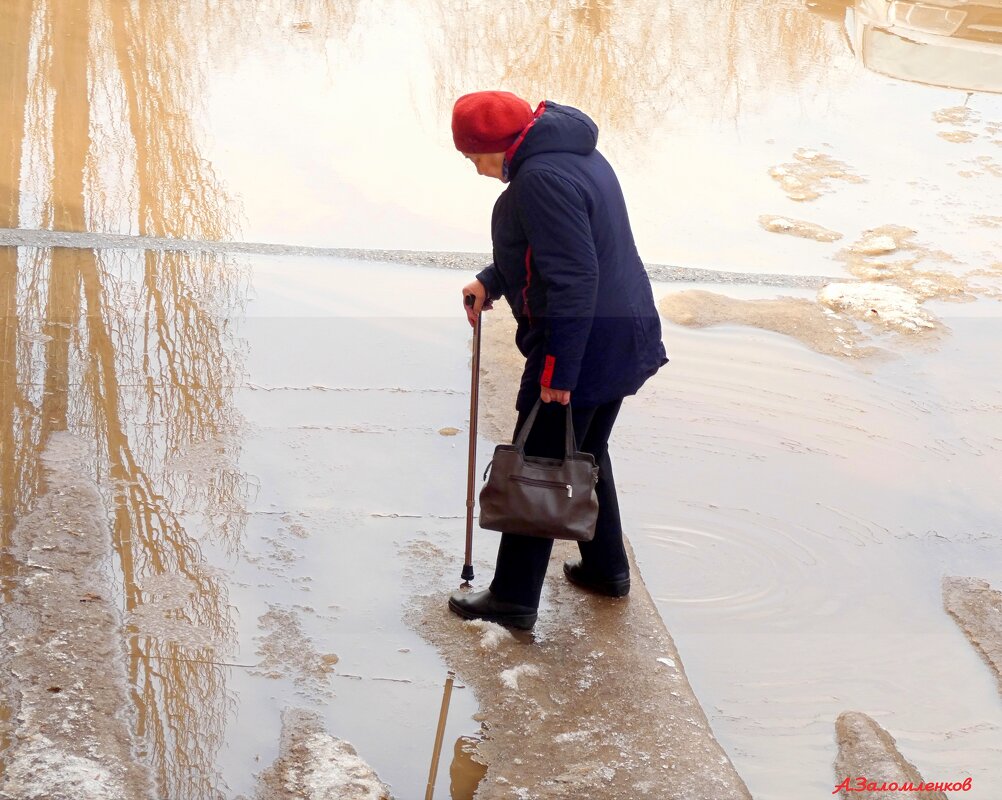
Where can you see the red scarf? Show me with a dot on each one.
(510, 152)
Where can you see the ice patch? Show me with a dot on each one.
(983, 165)
(492, 634)
(810, 174)
(287, 652)
(878, 302)
(510, 677)
(957, 137)
(956, 115)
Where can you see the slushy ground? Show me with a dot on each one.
(792, 515)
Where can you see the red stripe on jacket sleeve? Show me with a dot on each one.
(548, 367)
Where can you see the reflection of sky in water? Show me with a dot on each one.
(360, 151)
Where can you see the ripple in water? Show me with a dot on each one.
(735, 561)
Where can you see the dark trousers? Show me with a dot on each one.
(522, 560)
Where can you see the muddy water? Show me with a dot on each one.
(263, 545)
(808, 512)
(792, 512)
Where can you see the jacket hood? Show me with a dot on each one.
(556, 129)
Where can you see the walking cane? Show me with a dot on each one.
(467, 575)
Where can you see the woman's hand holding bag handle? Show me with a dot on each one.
(545, 497)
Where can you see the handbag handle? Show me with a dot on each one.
(570, 442)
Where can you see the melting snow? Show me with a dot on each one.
(42, 770)
(510, 676)
(876, 245)
(492, 634)
(332, 769)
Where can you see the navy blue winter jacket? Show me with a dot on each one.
(566, 262)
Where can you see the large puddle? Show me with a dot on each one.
(270, 433)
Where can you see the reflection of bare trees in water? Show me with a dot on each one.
(14, 406)
(16, 463)
(310, 21)
(765, 50)
(225, 31)
(604, 56)
(182, 703)
(629, 63)
(133, 350)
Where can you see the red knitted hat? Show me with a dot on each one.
(488, 122)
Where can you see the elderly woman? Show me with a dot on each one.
(566, 262)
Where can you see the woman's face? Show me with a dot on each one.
(487, 164)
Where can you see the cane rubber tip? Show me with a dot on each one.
(467, 573)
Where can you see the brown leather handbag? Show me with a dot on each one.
(534, 496)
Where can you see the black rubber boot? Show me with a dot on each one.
(612, 586)
(484, 605)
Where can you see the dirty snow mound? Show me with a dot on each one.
(864, 748)
(332, 769)
(977, 608)
(877, 302)
(876, 245)
(797, 227)
(313, 765)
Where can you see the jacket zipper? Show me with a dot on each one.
(549, 484)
